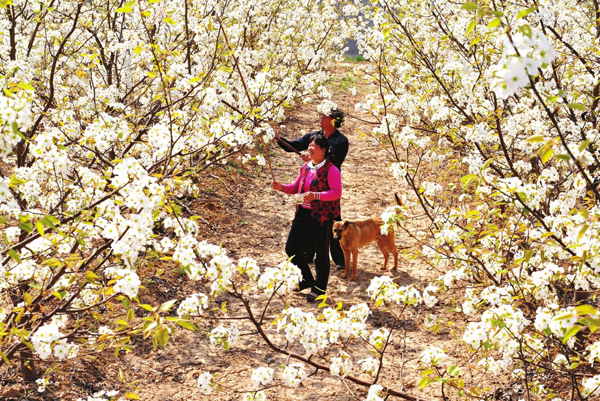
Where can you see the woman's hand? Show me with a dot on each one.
(305, 156)
(309, 196)
(277, 186)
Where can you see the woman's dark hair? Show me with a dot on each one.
(338, 117)
(320, 139)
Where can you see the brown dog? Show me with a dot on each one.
(353, 235)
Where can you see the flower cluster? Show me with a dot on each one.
(262, 376)
(48, 338)
(376, 393)
(524, 53)
(193, 305)
(15, 118)
(342, 365)
(383, 289)
(433, 356)
(205, 383)
(293, 374)
(283, 278)
(227, 337)
(317, 334)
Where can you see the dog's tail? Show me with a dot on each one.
(398, 200)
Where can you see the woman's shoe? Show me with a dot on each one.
(312, 297)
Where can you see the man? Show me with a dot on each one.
(338, 144)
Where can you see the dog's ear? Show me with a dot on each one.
(398, 200)
(345, 225)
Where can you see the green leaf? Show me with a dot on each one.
(571, 332)
(526, 12)
(130, 315)
(91, 274)
(149, 326)
(176, 209)
(40, 227)
(535, 138)
(468, 179)
(584, 228)
(528, 255)
(147, 307)
(4, 358)
(470, 6)
(494, 23)
(126, 9)
(470, 27)
(170, 20)
(487, 164)
(48, 221)
(26, 86)
(137, 49)
(576, 106)
(526, 30)
(15, 255)
(15, 182)
(146, 13)
(586, 310)
(163, 336)
(472, 214)
(132, 396)
(27, 298)
(187, 325)
(563, 157)
(167, 305)
(546, 153)
(51, 262)
(26, 226)
(425, 381)
(125, 302)
(90, 277)
(453, 370)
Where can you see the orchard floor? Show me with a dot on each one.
(239, 210)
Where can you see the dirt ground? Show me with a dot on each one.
(239, 210)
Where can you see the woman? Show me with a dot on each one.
(320, 183)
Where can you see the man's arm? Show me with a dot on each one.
(299, 144)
